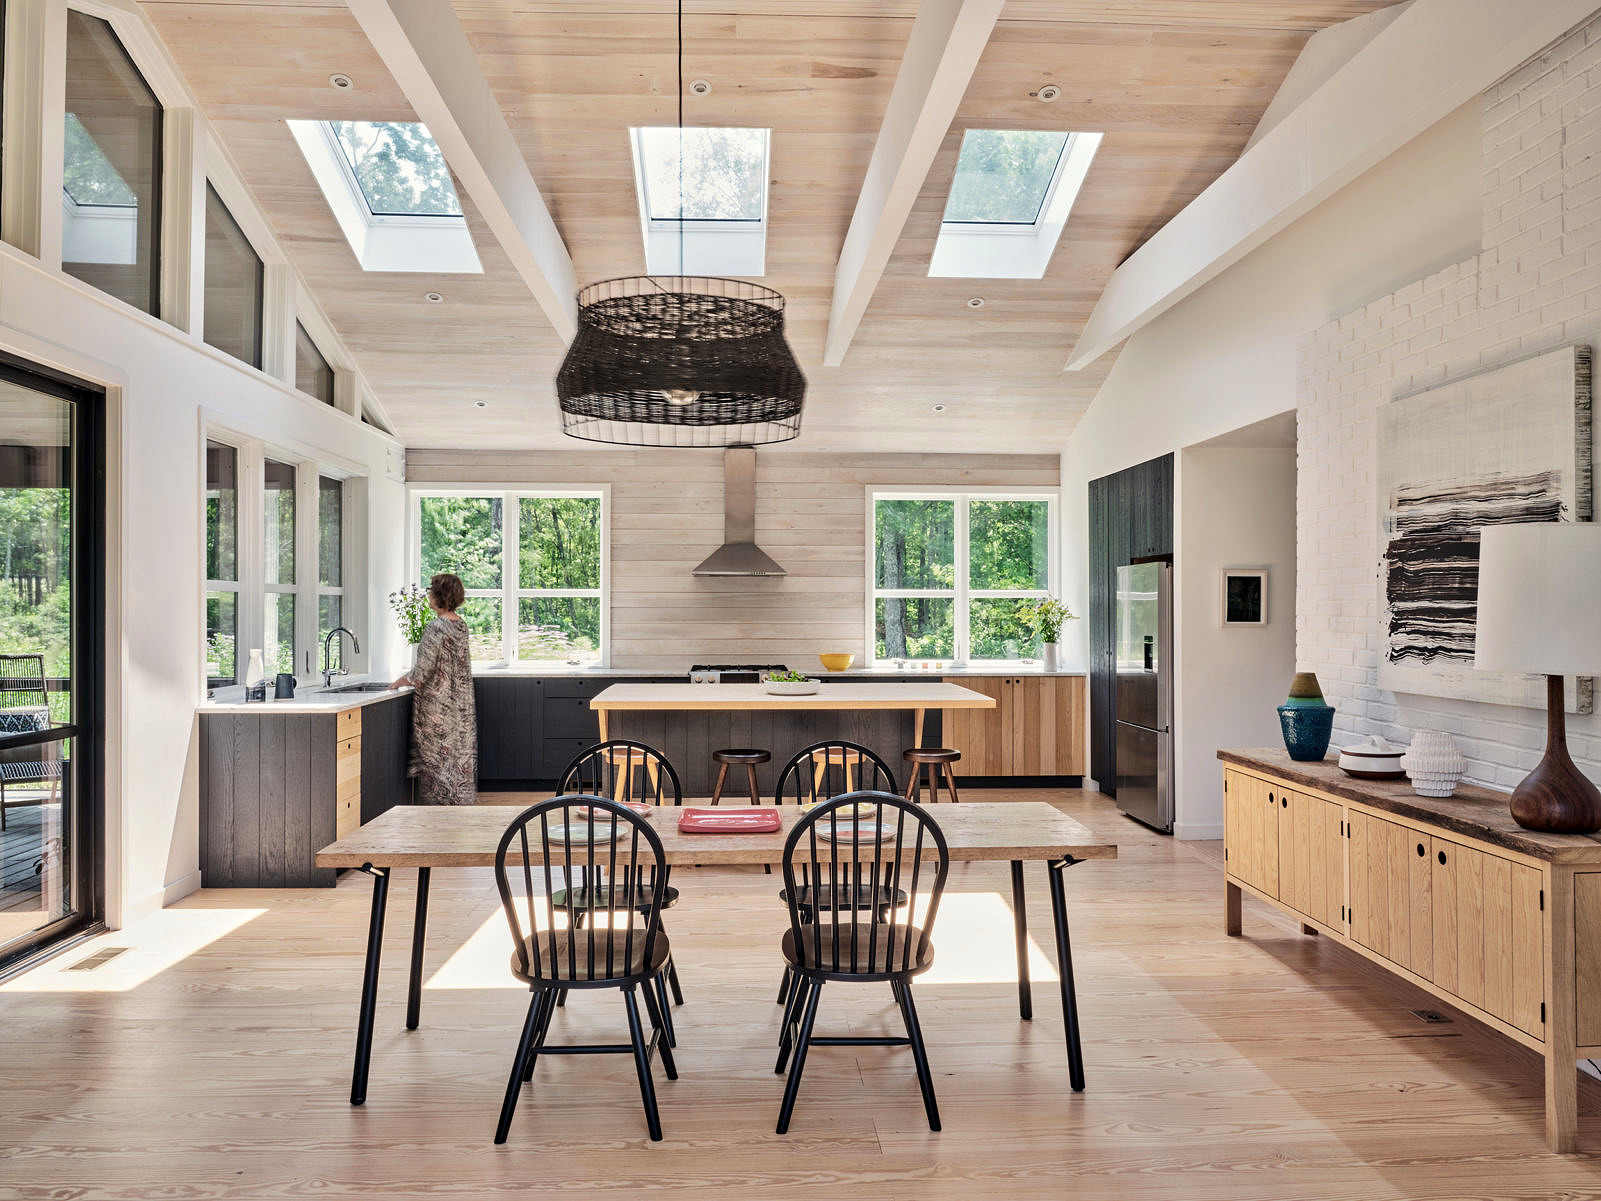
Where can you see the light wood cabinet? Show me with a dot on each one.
(1506, 926)
(1036, 728)
(1311, 856)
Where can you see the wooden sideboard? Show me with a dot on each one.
(1502, 923)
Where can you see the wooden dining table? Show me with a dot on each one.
(428, 836)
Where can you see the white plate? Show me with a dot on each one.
(578, 833)
(856, 832)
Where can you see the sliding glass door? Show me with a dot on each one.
(51, 682)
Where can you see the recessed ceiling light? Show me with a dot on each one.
(939, 408)
(700, 87)
(975, 302)
(480, 404)
(342, 82)
(1048, 93)
(433, 297)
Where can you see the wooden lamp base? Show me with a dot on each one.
(1556, 797)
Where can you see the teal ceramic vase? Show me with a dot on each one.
(1306, 719)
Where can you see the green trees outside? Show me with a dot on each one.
(1002, 175)
(558, 551)
(400, 168)
(87, 174)
(1008, 550)
(35, 591)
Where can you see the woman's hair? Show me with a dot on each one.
(446, 591)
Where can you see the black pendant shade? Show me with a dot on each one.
(680, 361)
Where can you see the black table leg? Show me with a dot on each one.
(1064, 966)
(1025, 992)
(369, 983)
(419, 929)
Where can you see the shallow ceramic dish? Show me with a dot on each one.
(1373, 759)
(639, 807)
(855, 832)
(846, 812)
(792, 687)
(580, 833)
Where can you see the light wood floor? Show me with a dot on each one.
(1271, 1067)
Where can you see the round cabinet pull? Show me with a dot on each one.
(1442, 858)
(1285, 801)
(1421, 851)
(1270, 798)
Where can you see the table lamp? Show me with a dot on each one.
(1540, 611)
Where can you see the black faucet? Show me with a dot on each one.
(328, 673)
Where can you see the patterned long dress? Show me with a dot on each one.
(444, 728)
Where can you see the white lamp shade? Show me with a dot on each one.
(1540, 599)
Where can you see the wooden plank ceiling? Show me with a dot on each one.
(1176, 85)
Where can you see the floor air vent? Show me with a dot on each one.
(99, 959)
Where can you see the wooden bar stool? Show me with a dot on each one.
(847, 760)
(625, 761)
(934, 763)
(750, 758)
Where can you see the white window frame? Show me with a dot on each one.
(1016, 249)
(423, 242)
(962, 594)
(511, 590)
(252, 587)
(737, 249)
(235, 585)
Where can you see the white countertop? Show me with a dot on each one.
(307, 703)
(890, 694)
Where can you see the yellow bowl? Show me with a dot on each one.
(837, 662)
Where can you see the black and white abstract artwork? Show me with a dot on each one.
(1507, 445)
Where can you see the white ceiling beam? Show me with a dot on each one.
(428, 52)
(1433, 58)
(948, 37)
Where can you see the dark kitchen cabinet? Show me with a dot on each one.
(1130, 519)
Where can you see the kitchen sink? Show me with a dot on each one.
(368, 686)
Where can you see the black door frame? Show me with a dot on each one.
(88, 479)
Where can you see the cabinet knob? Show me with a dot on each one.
(1421, 851)
(1285, 801)
(1270, 798)
(1442, 857)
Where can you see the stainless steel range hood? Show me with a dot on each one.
(739, 554)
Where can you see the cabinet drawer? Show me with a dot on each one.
(559, 752)
(349, 725)
(570, 717)
(569, 687)
(347, 814)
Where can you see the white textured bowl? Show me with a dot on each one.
(792, 687)
(1434, 763)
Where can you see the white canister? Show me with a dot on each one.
(1433, 763)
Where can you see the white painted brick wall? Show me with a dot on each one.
(1535, 285)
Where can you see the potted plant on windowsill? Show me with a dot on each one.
(1048, 616)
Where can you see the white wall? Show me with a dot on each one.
(1226, 357)
(1536, 286)
(162, 386)
(1235, 507)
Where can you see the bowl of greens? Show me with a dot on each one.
(790, 683)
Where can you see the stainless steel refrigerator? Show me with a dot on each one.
(1144, 640)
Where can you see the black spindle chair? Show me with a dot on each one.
(25, 709)
(625, 770)
(816, 773)
(862, 944)
(621, 944)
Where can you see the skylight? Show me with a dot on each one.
(88, 176)
(720, 218)
(391, 192)
(398, 167)
(1003, 175)
(1009, 201)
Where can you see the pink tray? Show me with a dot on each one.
(729, 821)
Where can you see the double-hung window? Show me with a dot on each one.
(533, 565)
(279, 554)
(955, 575)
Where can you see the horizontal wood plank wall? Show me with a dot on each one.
(667, 515)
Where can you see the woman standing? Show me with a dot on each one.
(444, 731)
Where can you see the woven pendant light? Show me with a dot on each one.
(680, 360)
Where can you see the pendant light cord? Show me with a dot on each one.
(680, 138)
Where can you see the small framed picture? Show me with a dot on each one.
(1243, 597)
